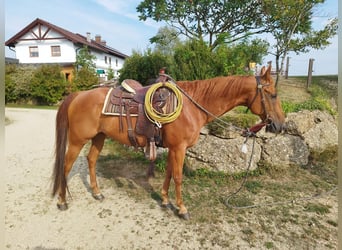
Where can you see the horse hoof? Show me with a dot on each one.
(185, 216)
(98, 197)
(166, 206)
(62, 207)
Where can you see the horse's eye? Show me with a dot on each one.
(273, 96)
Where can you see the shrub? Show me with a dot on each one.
(84, 79)
(48, 84)
(17, 83)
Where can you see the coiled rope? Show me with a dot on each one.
(158, 117)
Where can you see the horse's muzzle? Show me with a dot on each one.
(275, 127)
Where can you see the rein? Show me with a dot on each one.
(249, 132)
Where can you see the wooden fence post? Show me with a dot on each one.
(287, 67)
(308, 83)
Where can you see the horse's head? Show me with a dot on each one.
(265, 102)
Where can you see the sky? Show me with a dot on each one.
(118, 24)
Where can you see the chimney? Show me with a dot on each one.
(88, 37)
(98, 38)
(104, 43)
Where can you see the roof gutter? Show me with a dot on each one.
(12, 48)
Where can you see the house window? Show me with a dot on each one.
(105, 59)
(56, 50)
(116, 62)
(110, 61)
(34, 51)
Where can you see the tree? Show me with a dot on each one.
(84, 59)
(235, 58)
(110, 73)
(214, 20)
(166, 40)
(193, 60)
(290, 23)
(143, 66)
(85, 74)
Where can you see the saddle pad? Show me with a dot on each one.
(111, 109)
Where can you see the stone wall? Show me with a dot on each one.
(307, 131)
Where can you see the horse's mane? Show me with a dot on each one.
(214, 87)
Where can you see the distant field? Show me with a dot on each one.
(294, 88)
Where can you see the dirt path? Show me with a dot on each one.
(32, 220)
(121, 221)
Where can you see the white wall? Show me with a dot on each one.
(116, 62)
(68, 53)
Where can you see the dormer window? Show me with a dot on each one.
(33, 51)
(56, 50)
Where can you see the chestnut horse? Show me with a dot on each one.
(79, 119)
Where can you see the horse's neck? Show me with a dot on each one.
(218, 95)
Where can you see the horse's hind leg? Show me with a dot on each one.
(70, 157)
(95, 149)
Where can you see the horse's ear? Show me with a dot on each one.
(266, 73)
(262, 71)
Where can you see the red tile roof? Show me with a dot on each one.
(74, 37)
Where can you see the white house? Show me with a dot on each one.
(42, 42)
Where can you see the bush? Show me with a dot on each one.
(84, 79)
(48, 84)
(10, 89)
(17, 83)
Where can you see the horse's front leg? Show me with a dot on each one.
(95, 149)
(175, 165)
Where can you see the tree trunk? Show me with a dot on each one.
(277, 71)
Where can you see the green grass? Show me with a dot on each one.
(322, 90)
(238, 117)
(29, 106)
(316, 208)
(205, 194)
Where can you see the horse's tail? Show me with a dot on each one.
(62, 125)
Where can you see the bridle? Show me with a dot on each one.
(259, 90)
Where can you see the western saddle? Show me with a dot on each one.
(128, 100)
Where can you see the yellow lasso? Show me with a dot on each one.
(157, 117)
